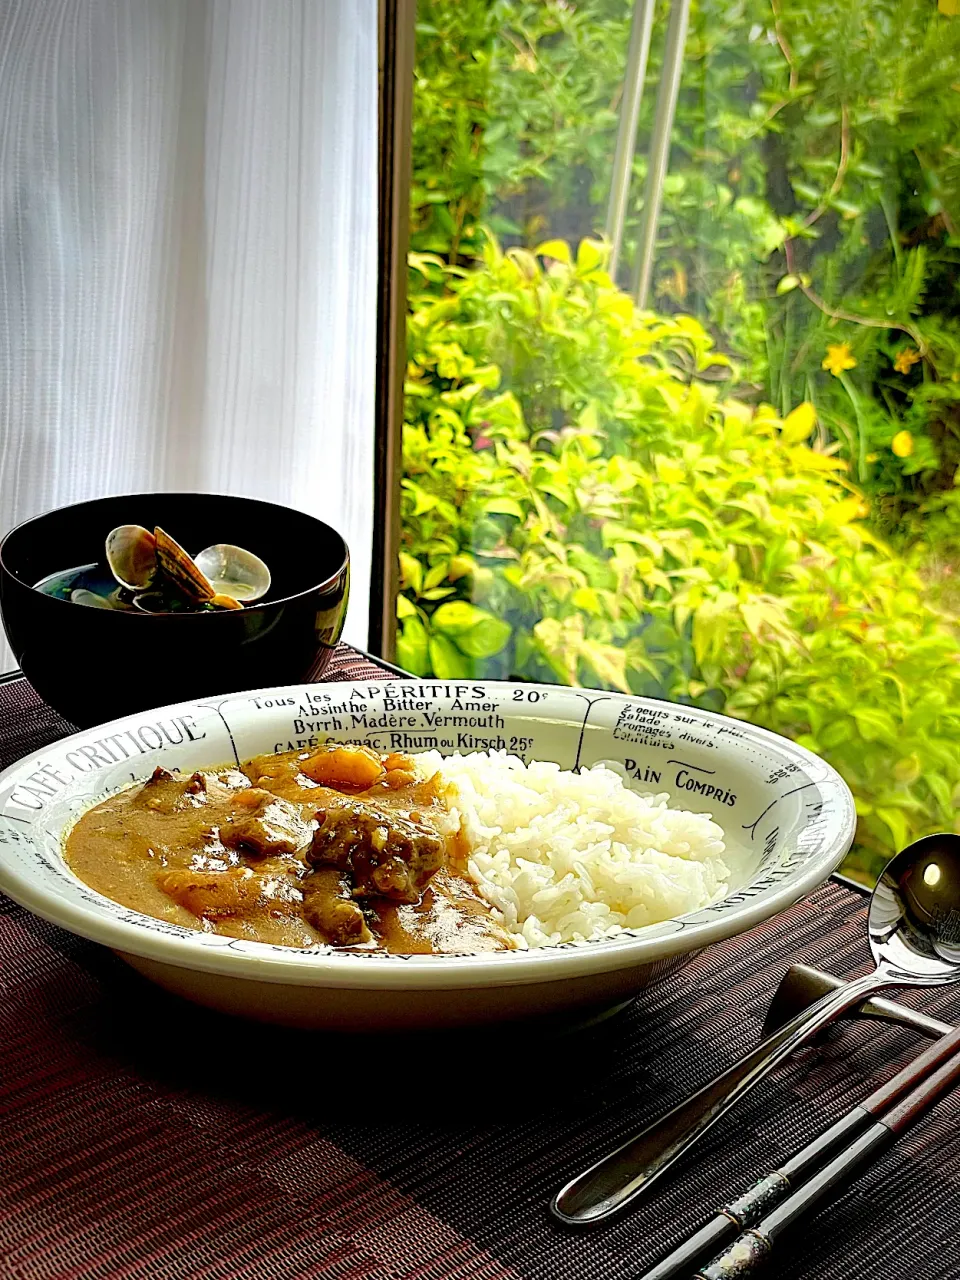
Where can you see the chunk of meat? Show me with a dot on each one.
(161, 793)
(328, 906)
(212, 894)
(264, 825)
(345, 768)
(391, 854)
(167, 793)
(216, 786)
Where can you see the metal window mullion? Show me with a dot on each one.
(667, 94)
(635, 74)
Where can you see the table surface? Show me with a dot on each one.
(143, 1137)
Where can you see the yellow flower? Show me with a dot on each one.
(906, 358)
(838, 358)
(902, 444)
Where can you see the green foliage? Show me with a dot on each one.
(583, 502)
(514, 116)
(813, 197)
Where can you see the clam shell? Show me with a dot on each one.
(132, 556)
(177, 567)
(234, 571)
(151, 602)
(80, 595)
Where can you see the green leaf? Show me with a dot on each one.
(422, 500)
(435, 574)
(836, 733)
(460, 566)
(412, 647)
(503, 507)
(457, 616)
(786, 283)
(477, 633)
(558, 249)
(895, 821)
(846, 210)
(591, 254)
(875, 725)
(607, 663)
(586, 598)
(589, 419)
(799, 423)
(411, 572)
(447, 661)
(485, 638)
(806, 192)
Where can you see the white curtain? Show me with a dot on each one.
(188, 255)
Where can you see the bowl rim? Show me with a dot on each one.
(256, 607)
(218, 954)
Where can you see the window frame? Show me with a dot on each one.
(396, 55)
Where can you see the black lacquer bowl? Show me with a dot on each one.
(91, 664)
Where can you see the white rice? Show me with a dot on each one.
(571, 857)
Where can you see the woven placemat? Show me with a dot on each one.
(143, 1137)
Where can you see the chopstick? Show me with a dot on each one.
(755, 1246)
(779, 1187)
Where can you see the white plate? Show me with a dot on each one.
(788, 818)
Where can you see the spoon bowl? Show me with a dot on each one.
(914, 918)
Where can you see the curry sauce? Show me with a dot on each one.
(339, 846)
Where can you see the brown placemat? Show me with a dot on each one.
(142, 1137)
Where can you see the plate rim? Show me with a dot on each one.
(241, 959)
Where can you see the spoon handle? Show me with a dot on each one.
(625, 1174)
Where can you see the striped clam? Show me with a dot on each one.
(155, 568)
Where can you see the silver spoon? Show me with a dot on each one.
(802, 986)
(914, 933)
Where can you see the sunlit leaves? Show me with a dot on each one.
(631, 526)
(515, 115)
(474, 631)
(558, 249)
(591, 256)
(799, 423)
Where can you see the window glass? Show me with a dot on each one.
(693, 431)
